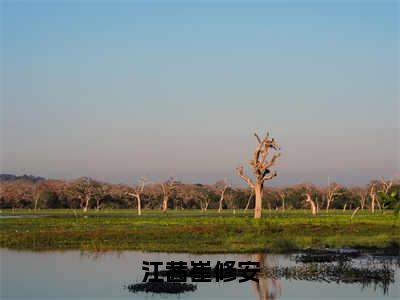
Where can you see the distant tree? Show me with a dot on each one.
(389, 196)
(310, 193)
(313, 206)
(392, 201)
(221, 187)
(17, 193)
(85, 189)
(373, 195)
(203, 195)
(167, 188)
(137, 192)
(282, 194)
(49, 199)
(362, 194)
(331, 192)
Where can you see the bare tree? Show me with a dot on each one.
(222, 187)
(375, 187)
(104, 189)
(167, 188)
(312, 204)
(331, 192)
(362, 193)
(137, 192)
(201, 193)
(282, 195)
(261, 169)
(231, 200)
(204, 201)
(386, 185)
(373, 195)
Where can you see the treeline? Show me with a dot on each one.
(86, 193)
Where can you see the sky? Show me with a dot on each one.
(117, 91)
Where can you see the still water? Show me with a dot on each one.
(80, 275)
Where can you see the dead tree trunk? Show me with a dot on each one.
(362, 201)
(204, 202)
(87, 200)
(137, 193)
(283, 197)
(206, 205)
(386, 185)
(221, 199)
(261, 169)
(165, 202)
(372, 194)
(36, 202)
(258, 193)
(331, 193)
(167, 188)
(139, 202)
(312, 204)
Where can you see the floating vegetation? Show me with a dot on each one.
(343, 272)
(321, 258)
(327, 255)
(161, 287)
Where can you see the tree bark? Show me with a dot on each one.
(373, 204)
(165, 203)
(373, 196)
(139, 205)
(87, 199)
(258, 192)
(167, 188)
(312, 203)
(328, 205)
(221, 200)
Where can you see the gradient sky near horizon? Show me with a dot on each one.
(116, 91)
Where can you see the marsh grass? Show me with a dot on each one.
(194, 231)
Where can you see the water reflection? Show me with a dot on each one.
(266, 288)
(88, 275)
(348, 268)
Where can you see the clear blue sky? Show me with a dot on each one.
(119, 91)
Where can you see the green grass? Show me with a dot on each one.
(195, 231)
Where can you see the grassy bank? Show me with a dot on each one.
(194, 231)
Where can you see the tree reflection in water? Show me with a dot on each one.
(266, 288)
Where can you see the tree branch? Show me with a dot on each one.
(240, 172)
(272, 175)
